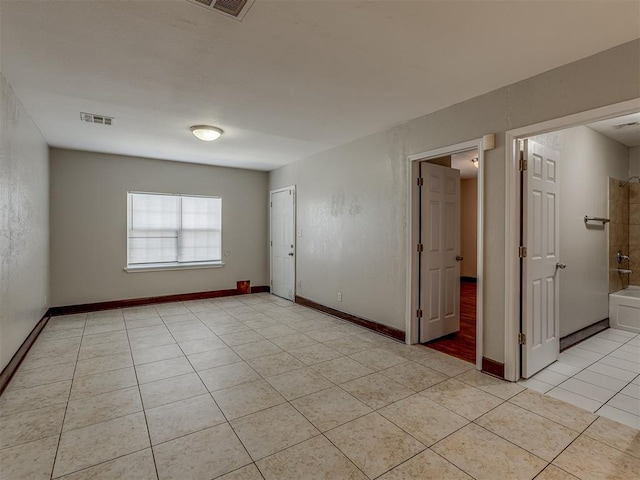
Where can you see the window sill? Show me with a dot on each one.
(161, 267)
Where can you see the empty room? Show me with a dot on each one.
(311, 239)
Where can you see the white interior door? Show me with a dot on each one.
(440, 256)
(283, 247)
(540, 274)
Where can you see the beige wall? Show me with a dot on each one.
(89, 226)
(634, 161)
(587, 160)
(469, 227)
(24, 224)
(352, 199)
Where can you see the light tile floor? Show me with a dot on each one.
(600, 374)
(255, 387)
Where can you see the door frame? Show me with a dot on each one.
(295, 241)
(413, 212)
(513, 217)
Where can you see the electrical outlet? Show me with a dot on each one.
(339, 296)
(299, 233)
(45, 299)
(299, 283)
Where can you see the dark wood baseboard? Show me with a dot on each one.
(582, 334)
(16, 360)
(363, 322)
(492, 367)
(137, 302)
(261, 289)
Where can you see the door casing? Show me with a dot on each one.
(513, 217)
(413, 215)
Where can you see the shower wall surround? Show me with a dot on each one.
(618, 233)
(634, 232)
(624, 233)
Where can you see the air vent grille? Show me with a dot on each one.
(93, 118)
(626, 125)
(235, 9)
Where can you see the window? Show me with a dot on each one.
(169, 231)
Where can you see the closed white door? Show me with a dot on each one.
(283, 249)
(541, 267)
(440, 256)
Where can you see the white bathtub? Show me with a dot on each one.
(624, 309)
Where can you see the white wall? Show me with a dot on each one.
(352, 200)
(24, 224)
(89, 226)
(469, 227)
(634, 161)
(587, 160)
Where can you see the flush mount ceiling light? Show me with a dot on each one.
(475, 162)
(206, 133)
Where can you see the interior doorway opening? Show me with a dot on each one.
(569, 295)
(461, 343)
(437, 262)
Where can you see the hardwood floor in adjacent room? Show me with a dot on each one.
(462, 344)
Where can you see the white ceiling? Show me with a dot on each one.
(628, 135)
(462, 161)
(294, 78)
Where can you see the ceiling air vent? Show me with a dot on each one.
(93, 118)
(626, 125)
(235, 9)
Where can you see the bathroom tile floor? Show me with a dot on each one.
(600, 374)
(255, 387)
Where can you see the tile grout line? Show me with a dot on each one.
(64, 417)
(144, 412)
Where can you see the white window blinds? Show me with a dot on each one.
(173, 229)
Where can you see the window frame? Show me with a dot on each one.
(149, 267)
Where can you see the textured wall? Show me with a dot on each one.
(352, 200)
(469, 227)
(24, 224)
(89, 226)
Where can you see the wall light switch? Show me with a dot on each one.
(299, 233)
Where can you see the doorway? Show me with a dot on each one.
(533, 328)
(468, 300)
(282, 242)
(461, 342)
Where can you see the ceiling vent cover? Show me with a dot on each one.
(626, 125)
(93, 118)
(235, 9)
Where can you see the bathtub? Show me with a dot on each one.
(624, 309)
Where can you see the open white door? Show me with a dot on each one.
(540, 266)
(440, 256)
(283, 247)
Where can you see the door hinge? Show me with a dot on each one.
(271, 242)
(420, 181)
(522, 251)
(419, 313)
(271, 204)
(420, 248)
(522, 339)
(523, 165)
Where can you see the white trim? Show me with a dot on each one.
(411, 325)
(512, 218)
(295, 239)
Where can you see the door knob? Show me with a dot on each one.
(561, 266)
(459, 258)
(291, 254)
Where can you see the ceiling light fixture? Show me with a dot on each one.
(475, 162)
(206, 133)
